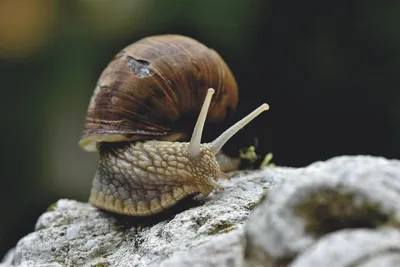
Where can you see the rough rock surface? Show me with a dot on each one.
(342, 193)
(77, 234)
(345, 208)
(360, 247)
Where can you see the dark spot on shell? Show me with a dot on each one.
(219, 95)
(159, 93)
(149, 102)
(141, 68)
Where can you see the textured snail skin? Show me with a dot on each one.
(144, 178)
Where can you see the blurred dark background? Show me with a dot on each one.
(329, 70)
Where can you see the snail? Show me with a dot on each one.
(133, 121)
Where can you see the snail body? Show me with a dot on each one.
(163, 173)
(143, 168)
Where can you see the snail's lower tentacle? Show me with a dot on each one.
(215, 184)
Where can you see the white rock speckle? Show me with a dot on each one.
(72, 232)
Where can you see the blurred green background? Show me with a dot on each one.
(329, 70)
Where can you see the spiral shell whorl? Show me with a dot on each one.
(151, 84)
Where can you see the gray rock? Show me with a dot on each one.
(388, 259)
(6, 262)
(75, 233)
(223, 251)
(304, 209)
(345, 192)
(347, 248)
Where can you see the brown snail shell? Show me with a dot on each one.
(151, 84)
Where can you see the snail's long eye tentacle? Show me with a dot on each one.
(194, 145)
(218, 143)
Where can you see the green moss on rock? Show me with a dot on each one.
(251, 205)
(52, 207)
(267, 161)
(248, 153)
(101, 264)
(222, 227)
